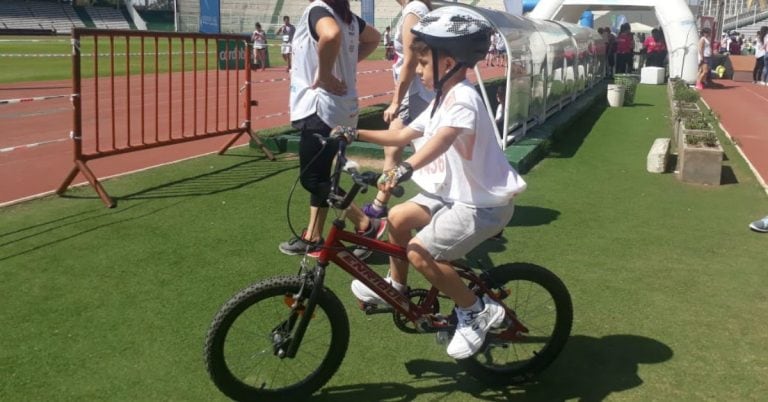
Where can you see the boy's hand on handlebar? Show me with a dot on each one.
(345, 133)
(392, 177)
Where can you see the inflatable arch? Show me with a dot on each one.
(674, 16)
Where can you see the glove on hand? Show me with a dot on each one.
(344, 133)
(396, 175)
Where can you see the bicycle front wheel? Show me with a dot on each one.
(541, 302)
(242, 347)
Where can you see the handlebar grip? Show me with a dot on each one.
(397, 191)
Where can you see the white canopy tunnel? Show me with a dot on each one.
(549, 65)
(675, 18)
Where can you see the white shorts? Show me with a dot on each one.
(259, 47)
(285, 48)
(456, 229)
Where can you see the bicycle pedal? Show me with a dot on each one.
(370, 308)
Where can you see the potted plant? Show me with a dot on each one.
(700, 154)
(680, 115)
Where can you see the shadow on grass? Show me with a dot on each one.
(728, 176)
(68, 236)
(229, 178)
(588, 369)
(568, 139)
(225, 179)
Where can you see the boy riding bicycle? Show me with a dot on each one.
(467, 184)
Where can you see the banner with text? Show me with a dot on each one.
(210, 16)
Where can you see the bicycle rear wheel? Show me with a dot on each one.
(542, 303)
(241, 347)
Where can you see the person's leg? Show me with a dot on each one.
(765, 68)
(317, 217)
(620, 64)
(315, 167)
(264, 59)
(757, 70)
(315, 163)
(454, 231)
(392, 156)
(411, 107)
(702, 77)
(287, 58)
(404, 219)
(440, 274)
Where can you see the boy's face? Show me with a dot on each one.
(425, 71)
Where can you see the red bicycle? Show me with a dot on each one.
(283, 338)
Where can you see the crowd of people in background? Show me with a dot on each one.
(628, 51)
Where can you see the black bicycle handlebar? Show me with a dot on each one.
(360, 181)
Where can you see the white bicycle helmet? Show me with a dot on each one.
(460, 33)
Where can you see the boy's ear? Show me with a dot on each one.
(449, 62)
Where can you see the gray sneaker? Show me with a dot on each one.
(299, 246)
(760, 225)
(375, 231)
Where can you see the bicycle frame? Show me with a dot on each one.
(334, 251)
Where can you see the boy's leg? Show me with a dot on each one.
(404, 219)
(440, 274)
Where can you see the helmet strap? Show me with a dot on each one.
(439, 82)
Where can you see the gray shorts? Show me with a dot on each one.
(411, 107)
(456, 229)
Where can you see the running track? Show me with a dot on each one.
(36, 153)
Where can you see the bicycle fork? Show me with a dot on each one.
(315, 278)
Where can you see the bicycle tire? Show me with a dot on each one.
(249, 369)
(527, 358)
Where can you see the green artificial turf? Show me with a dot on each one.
(667, 281)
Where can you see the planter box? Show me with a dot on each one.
(683, 131)
(677, 122)
(699, 164)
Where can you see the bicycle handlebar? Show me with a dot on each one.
(360, 181)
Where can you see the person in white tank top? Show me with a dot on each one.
(329, 42)
(705, 57)
(468, 186)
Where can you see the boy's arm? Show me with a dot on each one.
(396, 137)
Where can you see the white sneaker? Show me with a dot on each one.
(472, 328)
(366, 295)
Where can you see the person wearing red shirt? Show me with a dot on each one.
(656, 49)
(625, 48)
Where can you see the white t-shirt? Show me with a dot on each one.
(420, 10)
(760, 47)
(259, 39)
(474, 171)
(334, 110)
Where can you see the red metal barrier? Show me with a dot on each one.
(150, 94)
